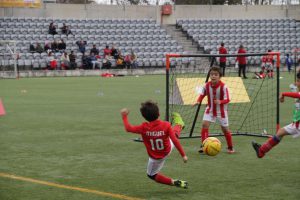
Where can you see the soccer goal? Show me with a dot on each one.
(254, 106)
(8, 58)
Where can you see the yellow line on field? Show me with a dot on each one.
(117, 196)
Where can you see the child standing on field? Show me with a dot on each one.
(159, 139)
(216, 109)
(291, 129)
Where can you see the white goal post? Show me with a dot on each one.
(9, 56)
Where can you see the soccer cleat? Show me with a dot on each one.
(201, 149)
(230, 151)
(176, 118)
(181, 184)
(256, 147)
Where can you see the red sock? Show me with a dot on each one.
(159, 178)
(228, 140)
(269, 144)
(177, 130)
(204, 134)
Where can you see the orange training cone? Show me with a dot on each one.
(2, 110)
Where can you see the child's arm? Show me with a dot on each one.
(201, 97)
(177, 144)
(128, 127)
(289, 94)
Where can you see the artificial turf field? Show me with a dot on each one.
(68, 132)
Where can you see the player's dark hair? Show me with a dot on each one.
(149, 110)
(222, 44)
(298, 75)
(216, 69)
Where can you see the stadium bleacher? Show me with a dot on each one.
(145, 37)
(257, 35)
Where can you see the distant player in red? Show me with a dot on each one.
(222, 51)
(291, 129)
(269, 64)
(263, 63)
(242, 61)
(216, 109)
(159, 139)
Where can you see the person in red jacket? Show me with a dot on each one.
(159, 139)
(222, 50)
(242, 61)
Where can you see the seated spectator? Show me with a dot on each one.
(133, 59)
(94, 50)
(51, 62)
(120, 60)
(106, 51)
(66, 29)
(54, 46)
(52, 29)
(94, 61)
(65, 61)
(39, 48)
(85, 61)
(47, 46)
(61, 45)
(31, 48)
(114, 52)
(81, 45)
(72, 58)
(106, 63)
(127, 61)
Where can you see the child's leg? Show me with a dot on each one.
(261, 150)
(228, 137)
(204, 130)
(153, 169)
(177, 130)
(272, 142)
(178, 123)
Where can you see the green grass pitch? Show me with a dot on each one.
(69, 131)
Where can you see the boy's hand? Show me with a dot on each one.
(195, 104)
(124, 112)
(185, 159)
(281, 98)
(217, 102)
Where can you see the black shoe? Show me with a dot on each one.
(201, 149)
(256, 147)
(245, 77)
(181, 184)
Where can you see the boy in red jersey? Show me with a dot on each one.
(291, 129)
(242, 61)
(159, 139)
(269, 64)
(216, 109)
(222, 50)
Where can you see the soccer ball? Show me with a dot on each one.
(211, 146)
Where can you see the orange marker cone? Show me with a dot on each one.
(2, 110)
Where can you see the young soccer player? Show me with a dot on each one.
(291, 129)
(159, 139)
(216, 109)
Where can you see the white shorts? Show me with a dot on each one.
(155, 165)
(269, 66)
(292, 130)
(222, 121)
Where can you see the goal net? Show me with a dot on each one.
(254, 105)
(8, 59)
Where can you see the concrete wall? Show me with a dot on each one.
(138, 12)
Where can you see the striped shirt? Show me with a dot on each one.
(216, 92)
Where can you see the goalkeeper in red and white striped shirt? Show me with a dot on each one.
(216, 109)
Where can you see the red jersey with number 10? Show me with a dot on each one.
(156, 137)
